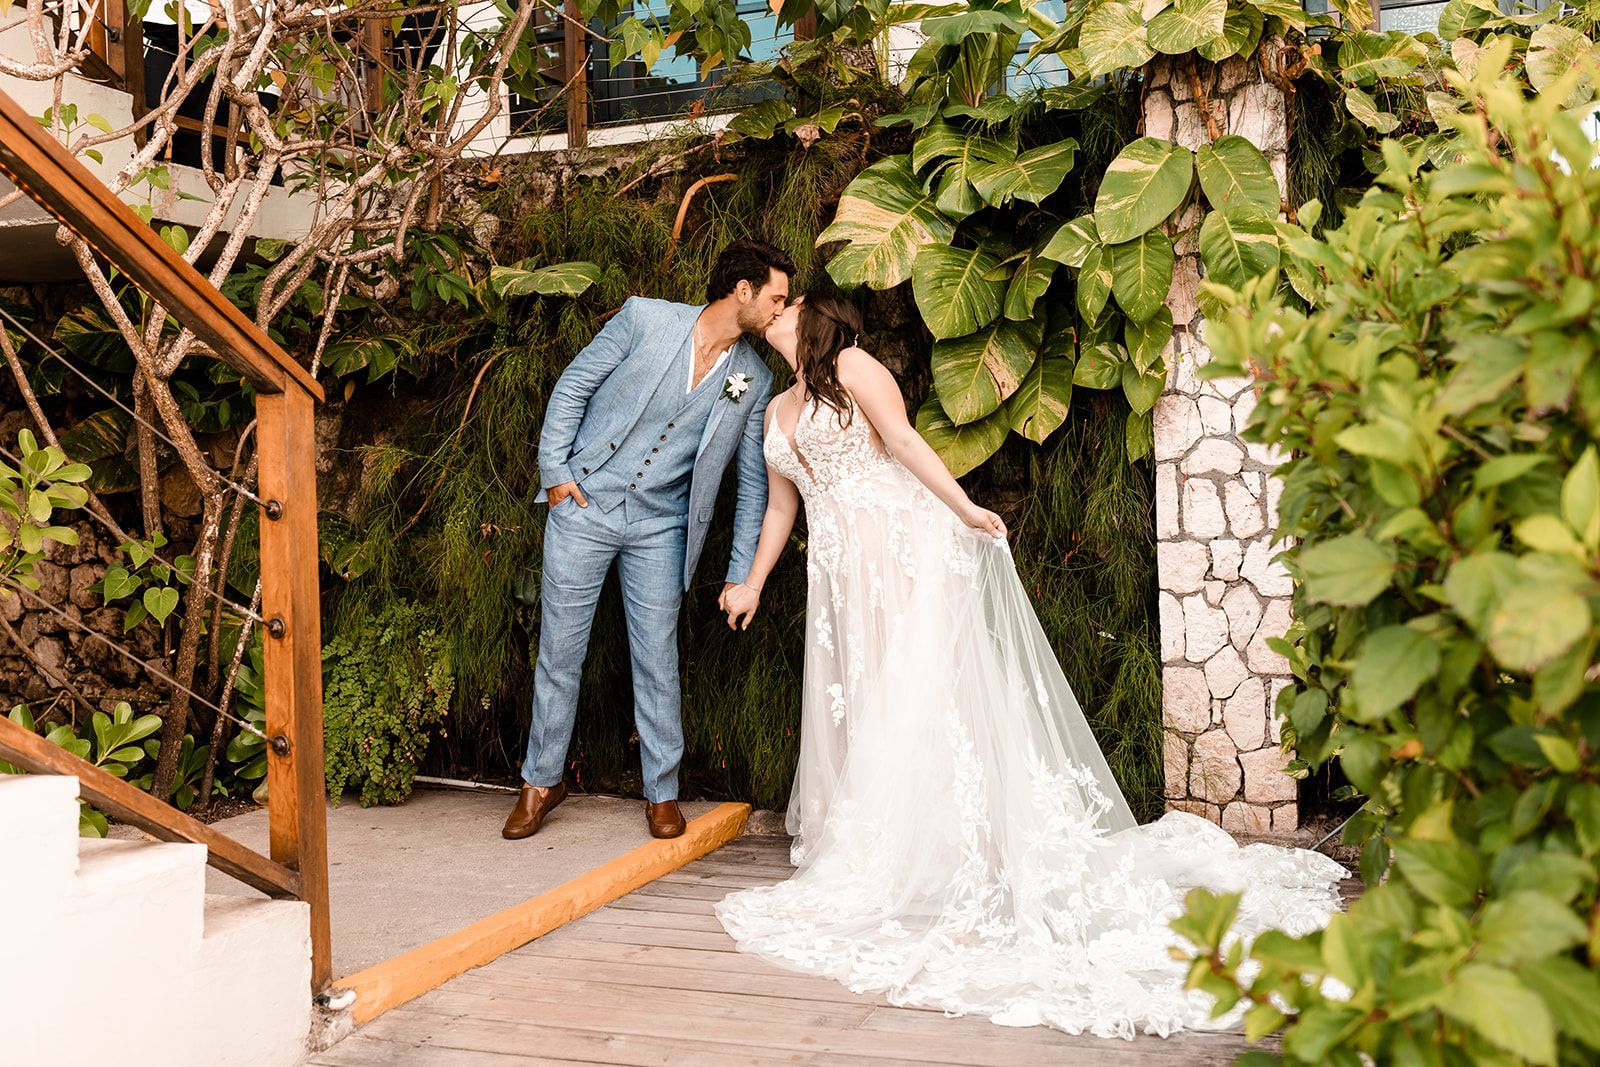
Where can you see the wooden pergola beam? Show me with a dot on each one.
(32, 158)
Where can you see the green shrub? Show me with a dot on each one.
(386, 685)
(1441, 401)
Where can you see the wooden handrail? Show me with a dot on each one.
(286, 434)
(132, 805)
(32, 158)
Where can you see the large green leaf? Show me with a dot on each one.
(1039, 406)
(763, 120)
(1113, 38)
(1186, 25)
(1364, 58)
(1495, 1003)
(975, 374)
(1139, 435)
(1143, 388)
(1146, 340)
(1094, 283)
(1553, 50)
(887, 218)
(1233, 171)
(952, 290)
(1535, 623)
(1366, 111)
(558, 279)
(960, 447)
(1100, 366)
(1394, 663)
(1144, 184)
(1072, 242)
(1349, 570)
(958, 152)
(1031, 176)
(1241, 31)
(1141, 275)
(1237, 244)
(1028, 283)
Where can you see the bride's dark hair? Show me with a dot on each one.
(828, 325)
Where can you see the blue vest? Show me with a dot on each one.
(650, 472)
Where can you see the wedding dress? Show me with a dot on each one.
(959, 838)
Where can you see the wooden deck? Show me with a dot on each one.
(652, 979)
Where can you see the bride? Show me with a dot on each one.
(959, 839)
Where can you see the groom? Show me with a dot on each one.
(637, 434)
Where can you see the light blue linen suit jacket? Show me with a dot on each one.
(602, 393)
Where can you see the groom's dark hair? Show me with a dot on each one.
(746, 261)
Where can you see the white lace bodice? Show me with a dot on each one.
(832, 461)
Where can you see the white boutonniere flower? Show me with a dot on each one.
(734, 388)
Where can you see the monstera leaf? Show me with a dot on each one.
(1141, 275)
(1031, 176)
(974, 375)
(952, 290)
(558, 279)
(1113, 38)
(961, 447)
(1144, 184)
(1241, 32)
(1039, 406)
(887, 218)
(1186, 25)
(1237, 244)
(1233, 171)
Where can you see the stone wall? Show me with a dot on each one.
(1221, 594)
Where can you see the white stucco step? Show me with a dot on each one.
(38, 835)
(252, 975)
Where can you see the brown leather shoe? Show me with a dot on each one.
(664, 818)
(533, 805)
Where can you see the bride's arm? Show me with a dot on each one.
(877, 394)
(783, 504)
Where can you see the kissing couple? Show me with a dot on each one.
(959, 839)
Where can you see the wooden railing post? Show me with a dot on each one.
(292, 655)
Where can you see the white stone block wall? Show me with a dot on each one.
(1221, 594)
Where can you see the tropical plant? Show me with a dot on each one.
(384, 690)
(1440, 399)
(110, 742)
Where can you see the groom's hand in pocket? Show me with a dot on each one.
(740, 601)
(558, 493)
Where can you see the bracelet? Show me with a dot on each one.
(756, 589)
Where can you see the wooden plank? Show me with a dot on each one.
(465, 1023)
(557, 1042)
(132, 805)
(652, 974)
(664, 905)
(42, 167)
(479, 996)
(297, 809)
(663, 920)
(570, 947)
(633, 934)
(410, 974)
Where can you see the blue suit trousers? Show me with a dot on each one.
(580, 545)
